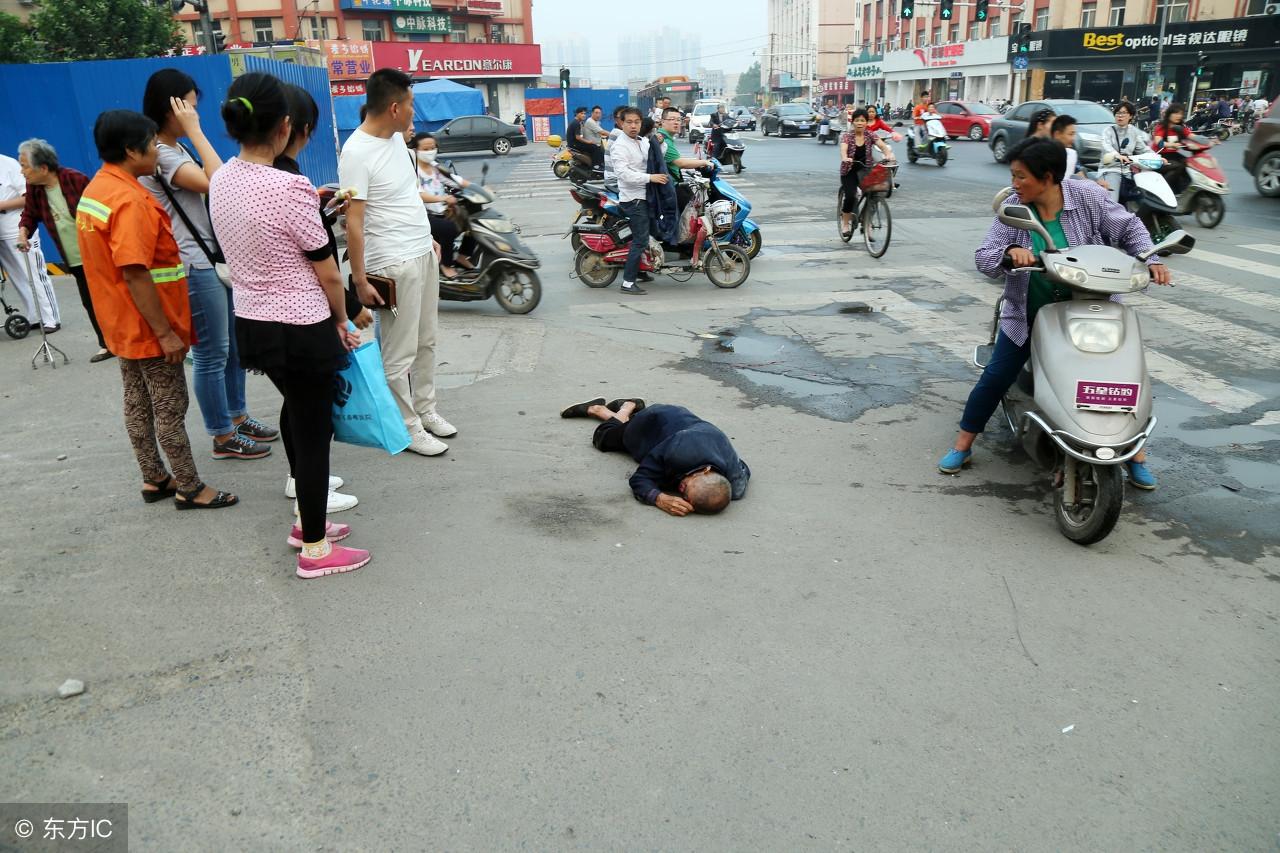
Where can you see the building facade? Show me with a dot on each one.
(789, 64)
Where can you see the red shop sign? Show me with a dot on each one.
(441, 59)
(484, 7)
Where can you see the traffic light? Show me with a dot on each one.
(564, 78)
(908, 9)
(980, 13)
(946, 7)
(1201, 61)
(1022, 40)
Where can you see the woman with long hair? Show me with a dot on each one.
(291, 318)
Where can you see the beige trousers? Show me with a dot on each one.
(409, 340)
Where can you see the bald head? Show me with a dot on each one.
(707, 491)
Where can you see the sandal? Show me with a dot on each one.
(187, 500)
(163, 489)
(616, 405)
(579, 410)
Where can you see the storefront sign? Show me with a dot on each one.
(1255, 33)
(835, 86)
(541, 128)
(1250, 82)
(387, 5)
(356, 88)
(993, 51)
(864, 71)
(448, 59)
(432, 23)
(484, 7)
(1101, 85)
(348, 60)
(1060, 84)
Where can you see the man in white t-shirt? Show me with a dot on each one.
(389, 234)
(13, 195)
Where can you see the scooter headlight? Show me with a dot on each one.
(503, 246)
(1070, 274)
(1096, 335)
(499, 226)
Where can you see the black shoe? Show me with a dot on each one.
(579, 410)
(616, 405)
(632, 289)
(644, 276)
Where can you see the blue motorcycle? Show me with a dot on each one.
(746, 233)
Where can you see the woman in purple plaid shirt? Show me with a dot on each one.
(1075, 213)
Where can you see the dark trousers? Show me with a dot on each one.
(445, 232)
(608, 436)
(637, 213)
(597, 156)
(155, 409)
(997, 377)
(82, 284)
(306, 427)
(849, 182)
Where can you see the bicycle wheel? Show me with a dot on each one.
(844, 235)
(877, 226)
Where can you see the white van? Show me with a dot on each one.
(700, 118)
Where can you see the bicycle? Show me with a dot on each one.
(873, 215)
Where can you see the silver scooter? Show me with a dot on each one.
(1082, 404)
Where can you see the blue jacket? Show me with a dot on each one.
(664, 214)
(670, 442)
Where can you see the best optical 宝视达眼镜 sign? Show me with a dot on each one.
(1255, 33)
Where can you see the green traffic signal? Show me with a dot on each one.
(946, 7)
(907, 11)
(980, 13)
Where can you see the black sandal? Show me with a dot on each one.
(579, 410)
(616, 405)
(163, 489)
(220, 500)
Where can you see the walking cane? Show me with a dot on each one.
(45, 349)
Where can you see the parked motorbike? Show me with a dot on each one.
(935, 146)
(506, 268)
(1082, 405)
(605, 246)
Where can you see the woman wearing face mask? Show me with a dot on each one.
(432, 184)
(291, 318)
(856, 161)
(1123, 140)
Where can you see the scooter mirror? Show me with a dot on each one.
(1177, 243)
(999, 199)
(1020, 216)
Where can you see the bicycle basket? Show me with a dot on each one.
(721, 213)
(877, 180)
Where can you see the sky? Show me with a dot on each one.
(732, 33)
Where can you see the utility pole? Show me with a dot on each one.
(206, 22)
(1163, 11)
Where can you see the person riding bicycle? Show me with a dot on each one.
(856, 161)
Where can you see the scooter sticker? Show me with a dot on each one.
(1107, 396)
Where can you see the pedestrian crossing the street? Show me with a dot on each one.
(1206, 339)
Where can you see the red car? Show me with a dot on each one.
(967, 118)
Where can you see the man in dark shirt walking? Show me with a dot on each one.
(685, 463)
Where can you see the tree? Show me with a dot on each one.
(749, 80)
(16, 43)
(105, 29)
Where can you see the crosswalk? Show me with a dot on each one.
(1206, 339)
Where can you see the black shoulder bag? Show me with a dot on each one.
(214, 257)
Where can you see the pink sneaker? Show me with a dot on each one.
(333, 531)
(341, 559)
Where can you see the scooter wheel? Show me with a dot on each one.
(17, 327)
(737, 166)
(751, 245)
(518, 290)
(591, 269)
(729, 268)
(1209, 210)
(942, 157)
(1098, 510)
(560, 169)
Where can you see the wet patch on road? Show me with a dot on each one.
(560, 516)
(789, 370)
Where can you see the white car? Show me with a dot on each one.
(700, 118)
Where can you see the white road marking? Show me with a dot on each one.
(1200, 284)
(1194, 382)
(1270, 248)
(1234, 263)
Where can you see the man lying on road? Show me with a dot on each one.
(686, 464)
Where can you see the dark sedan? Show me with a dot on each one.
(478, 133)
(744, 118)
(789, 120)
(1091, 120)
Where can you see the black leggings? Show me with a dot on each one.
(445, 233)
(82, 284)
(849, 181)
(306, 427)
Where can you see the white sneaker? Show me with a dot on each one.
(427, 444)
(438, 425)
(338, 502)
(291, 487)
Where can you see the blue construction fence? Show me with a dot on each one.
(60, 101)
(538, 105)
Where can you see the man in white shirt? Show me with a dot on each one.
(1259, 105)
(389, 234)
(610, 180)
(13, 195)
(630, 155)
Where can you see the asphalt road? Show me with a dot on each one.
(862, 654)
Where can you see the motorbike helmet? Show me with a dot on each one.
(554, 140)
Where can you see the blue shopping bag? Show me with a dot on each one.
(364, 412)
